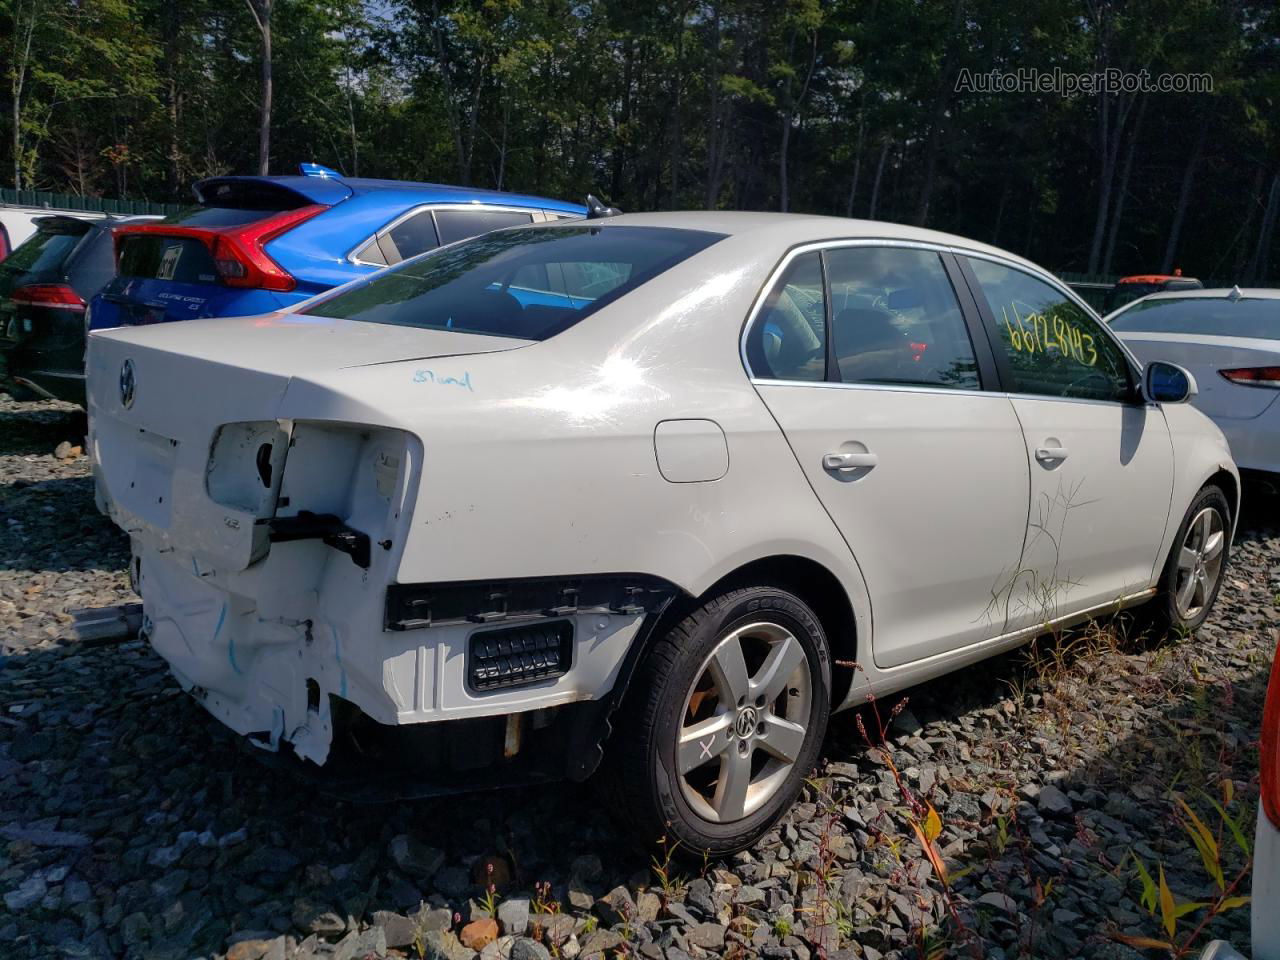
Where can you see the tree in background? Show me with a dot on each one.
(846, 107)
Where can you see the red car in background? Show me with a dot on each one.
(1128, 289)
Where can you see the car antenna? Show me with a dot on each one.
(598, 211)
(1235, 293)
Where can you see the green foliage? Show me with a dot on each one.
(828, 106)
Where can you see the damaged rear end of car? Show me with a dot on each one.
(266, 547)
(268, 471)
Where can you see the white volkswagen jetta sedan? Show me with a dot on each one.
(1230, 341)
(660, 480)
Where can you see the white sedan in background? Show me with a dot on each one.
(659, 480)
(1230, 341)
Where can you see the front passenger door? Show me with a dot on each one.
(1101, 460)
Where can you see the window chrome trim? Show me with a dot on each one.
(536, 215)
(819, 246)
(886, 387)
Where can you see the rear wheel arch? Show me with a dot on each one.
(820, 589)
(808, 579)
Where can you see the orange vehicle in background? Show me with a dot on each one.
(1128, 289)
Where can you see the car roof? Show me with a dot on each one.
(331, 190)
(1217, 293)
(794, 229)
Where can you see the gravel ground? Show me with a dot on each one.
(134, 826)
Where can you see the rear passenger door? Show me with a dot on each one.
(864, 354)
(1100, 458)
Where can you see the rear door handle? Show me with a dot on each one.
(1050, 454)
(849, 461)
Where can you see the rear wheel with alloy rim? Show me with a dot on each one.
(724, 721)
(1193, 573)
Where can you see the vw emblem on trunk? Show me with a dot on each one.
(127, 384)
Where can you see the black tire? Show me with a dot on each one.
(1161, 612)
(646, 780)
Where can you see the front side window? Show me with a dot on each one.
(530, 284)
(896, 320)
(1053, 347)
(788, 339)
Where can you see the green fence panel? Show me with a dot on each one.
(71, 201)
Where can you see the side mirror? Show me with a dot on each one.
(1168, 383)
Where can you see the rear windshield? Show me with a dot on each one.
(1205, 316)
(153, 257)
(45, 251)
(529, 283)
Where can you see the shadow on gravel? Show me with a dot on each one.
(28, 431)
(78, 538)
(125, 801)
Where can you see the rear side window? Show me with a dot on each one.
(94, 263)
(788, 340)
(457, 225)
(413, 236)
(45, 251)
(501, 283)
(154, 257)
(1203, 316)
(1052, 346)
(896, 319)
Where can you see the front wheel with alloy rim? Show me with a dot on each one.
(724, 721)
(1193, 572)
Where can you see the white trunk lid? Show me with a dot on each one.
(159, 394)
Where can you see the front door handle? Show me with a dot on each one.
(849, 461)
(1051, 454)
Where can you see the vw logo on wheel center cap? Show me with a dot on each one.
(745, 725)
(128, 384)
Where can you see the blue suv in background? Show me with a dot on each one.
(257, 244)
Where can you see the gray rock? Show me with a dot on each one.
(708, 936)
(698, 896)
(748, 896)
(599, 942)
(30, 892)
(445, 946)
(1052, 802)
(354, 946)
(399, 930)
(526, 949)
(414, 857)
(1000, 901)
(616, 907)
(513, 916)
